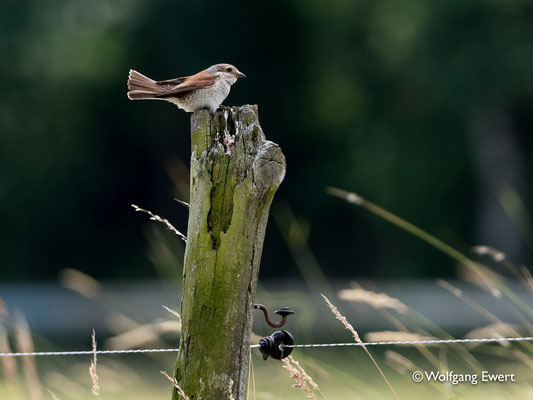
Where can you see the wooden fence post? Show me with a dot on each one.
(235, 172)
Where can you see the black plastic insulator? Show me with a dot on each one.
(273, 345)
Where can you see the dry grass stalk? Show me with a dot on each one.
(300, 377)
(399, 325)
(376, 300)
(343, 319)
(306, 377)
(472, 303)
(481, 276)
(404, 366)
(420, 348)
(255, 338)
(349, 197)
(80, 282)
(528, 279)
(397, 336)
(493, 253)
(92, 369)
(183, 203)
(54, 397)
(25, 345)
(118, 322)
(4, 313)
(400, 363)
(231, 390)
(9, 365)
(251, 375)
(176, 385)
(478, 272)
(143, 335)
(496, 330)
(202, 387)
(450, 288)
(501, 258)
(164, 221)
(173, 312)
(348, 326)
(504, 329)
(67, 384)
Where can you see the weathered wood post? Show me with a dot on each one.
(235, 172)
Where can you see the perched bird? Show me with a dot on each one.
(206, 89)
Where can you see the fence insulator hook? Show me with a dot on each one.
(284, 312)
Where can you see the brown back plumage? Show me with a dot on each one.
(142, 87)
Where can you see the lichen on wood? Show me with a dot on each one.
(235, 173)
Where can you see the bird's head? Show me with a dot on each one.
(228, 72)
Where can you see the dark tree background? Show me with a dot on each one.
(422, 107)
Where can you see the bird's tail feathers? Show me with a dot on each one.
(142, 87)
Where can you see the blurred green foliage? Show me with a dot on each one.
(376, 97)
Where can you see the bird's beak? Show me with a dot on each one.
(240, 75)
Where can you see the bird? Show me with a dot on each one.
(205, 90)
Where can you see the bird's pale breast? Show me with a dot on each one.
(210, 98)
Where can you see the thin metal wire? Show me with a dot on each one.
(86, 352)
(410, 342)
(256, 346)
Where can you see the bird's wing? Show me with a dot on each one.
(180, 86)
(171, 83)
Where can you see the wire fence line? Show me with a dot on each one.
(256, 346)
(86, 352)
(415, 342)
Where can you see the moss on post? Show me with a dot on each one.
(235, 172)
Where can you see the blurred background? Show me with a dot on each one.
(424, 108)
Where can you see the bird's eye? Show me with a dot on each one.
(228, 69)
